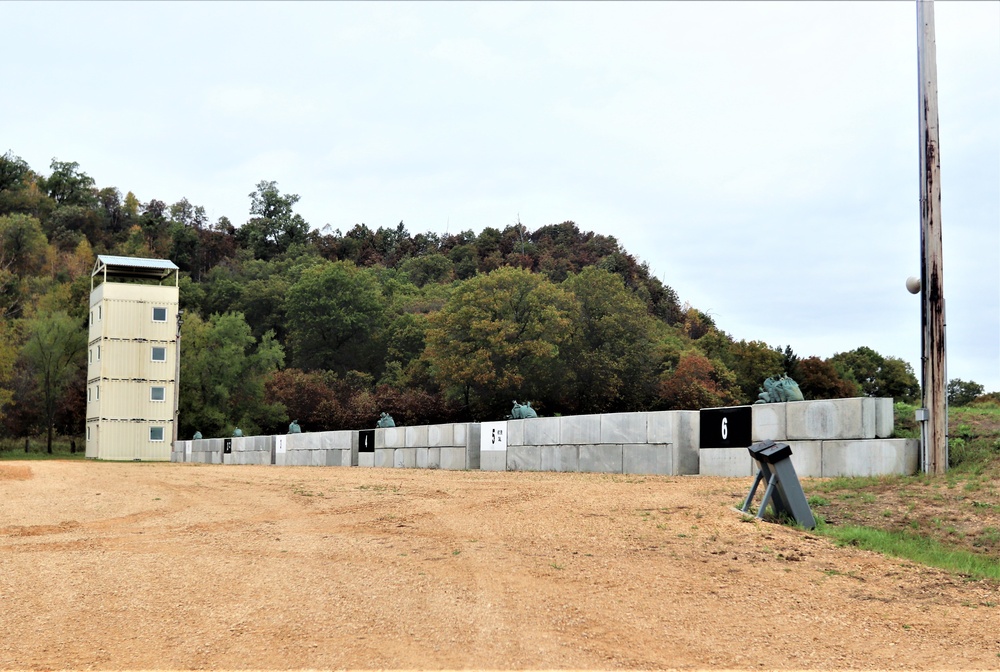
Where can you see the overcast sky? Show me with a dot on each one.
(760, 157)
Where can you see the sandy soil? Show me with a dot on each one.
(117, 566)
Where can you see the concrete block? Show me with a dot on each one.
(384, 457)
(452, 458)
(623, 428)
(687, 437)
(404, 458)
(768, 422)
(884, 417)
(604, 458)
(317, 458)
(461, 433)
(281, 459)
(390, 437)
(560, 458)
(515, 432)
(647, 458)
(576, 430)
(493, 460)
(416, 436)
(470, 439)
(420, 457)
(874, 457)
(830, 419)
(343, 439)
(660, 426)
(540, 432)
(433, 458)
(347, 458)
(366, 459)
(215, 458)
(523, 458)
(729, 462)
(335, 458)
(807, 458)
(441, 435)
(239, 444)
(299, 441)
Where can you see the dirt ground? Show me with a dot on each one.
(157, 566)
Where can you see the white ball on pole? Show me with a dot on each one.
(913, 284)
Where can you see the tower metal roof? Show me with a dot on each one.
(111, 266)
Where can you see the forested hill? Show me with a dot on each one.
(285, 322)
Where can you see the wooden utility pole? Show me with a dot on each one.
(935, 401)
(177, 380)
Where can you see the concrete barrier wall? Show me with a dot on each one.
(318, 449)
(452, 446)
(839, 437)
(661, 442)
(834, 437)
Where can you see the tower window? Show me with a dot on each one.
(156, 433)
(159, 314)
(159, 354)
(157, 393)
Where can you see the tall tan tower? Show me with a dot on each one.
(131, 358)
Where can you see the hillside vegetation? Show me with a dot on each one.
(284, 322)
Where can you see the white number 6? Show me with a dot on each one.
(725, 428)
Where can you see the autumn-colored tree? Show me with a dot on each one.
(698, 383)
(819, 379)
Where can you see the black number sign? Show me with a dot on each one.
(726, 427)
(366, 441)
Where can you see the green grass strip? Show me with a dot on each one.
(913, 547)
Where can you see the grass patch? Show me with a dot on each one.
(916, 548)
(13, 449)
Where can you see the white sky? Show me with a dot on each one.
(761, 157)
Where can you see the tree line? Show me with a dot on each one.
(284, 321)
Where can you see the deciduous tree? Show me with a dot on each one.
(609, 353)
(498, 338)
(223, 369)
(334, 310)
(878, 376)
(54, 350)
(963, 392)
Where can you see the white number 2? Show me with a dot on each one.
(725, 428)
